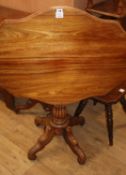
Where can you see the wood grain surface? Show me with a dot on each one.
(61, 61)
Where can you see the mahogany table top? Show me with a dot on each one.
(60, 61)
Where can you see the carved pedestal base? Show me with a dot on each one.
(59, 123)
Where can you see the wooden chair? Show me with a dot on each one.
(114, 96)
(109, 9)
(114, 8)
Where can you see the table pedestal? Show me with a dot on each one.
(58, 123)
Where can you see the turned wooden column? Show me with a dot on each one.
(60, 118)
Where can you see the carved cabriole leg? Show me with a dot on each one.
(72, 142)
(41, 143)
(123, 103)
(109, 119)
(56, 124)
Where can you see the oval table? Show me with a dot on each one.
(61, 61)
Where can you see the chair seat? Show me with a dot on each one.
(113, 96)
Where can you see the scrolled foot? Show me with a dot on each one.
(72, 142)
(31, 156)
(41, 143)
(82, 160)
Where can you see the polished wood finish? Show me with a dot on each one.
(28, 52)
(113, 97)
(5, 14)
(58, 61)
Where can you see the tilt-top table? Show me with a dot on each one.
(61, 61)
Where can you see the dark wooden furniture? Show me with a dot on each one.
(113, 8)
(109, 9)
(114, 96)
(61, 61)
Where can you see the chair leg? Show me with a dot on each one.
(123, 103)
(80, 107)
(109, 121)
(95, 102)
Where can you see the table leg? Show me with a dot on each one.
(41, 143)
(72, 142)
